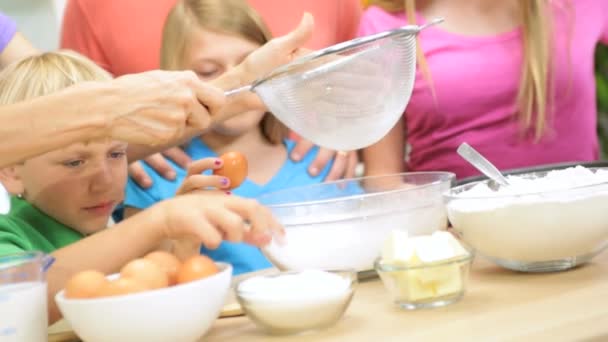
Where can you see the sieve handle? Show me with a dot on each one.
(433, 22)
(239, 90)
(411, 29)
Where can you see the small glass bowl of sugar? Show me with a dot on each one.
(297, 301)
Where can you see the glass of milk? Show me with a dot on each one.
(23, 306)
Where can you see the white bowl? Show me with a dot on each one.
(541, 231)
(178, 313)
(343, 224)
(281, 311)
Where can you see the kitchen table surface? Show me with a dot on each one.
(499, 305)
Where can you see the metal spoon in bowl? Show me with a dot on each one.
(481, 163)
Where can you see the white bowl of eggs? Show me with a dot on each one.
(155, 298)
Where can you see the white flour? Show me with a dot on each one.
(558, 216)
(294, 301)
(352, 242)
(305, 286)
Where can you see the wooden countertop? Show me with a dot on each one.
(499, 305)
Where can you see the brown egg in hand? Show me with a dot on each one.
(234, 168)
(85, 284)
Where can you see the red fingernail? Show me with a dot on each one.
(228, 193)
(218, 162)
(225, 181)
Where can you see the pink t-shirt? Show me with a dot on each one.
(476, 79)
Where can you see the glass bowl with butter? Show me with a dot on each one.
(425, 271)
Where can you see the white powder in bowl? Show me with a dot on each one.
(351, 241)
(297, 301)
(305, 286)
(558, 216)
(553, 181)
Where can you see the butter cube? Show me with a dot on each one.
(398, 247)
(410, 288)
(428, 282)
(452, 284)
(420, 290)
(445, 279)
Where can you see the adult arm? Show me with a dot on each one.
(17, 48)
(151, 108)
(13, 46)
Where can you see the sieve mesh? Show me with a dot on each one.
(347, 96)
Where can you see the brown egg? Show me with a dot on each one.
(145, 272)
(85, 284)
(234, 168)
(196, 267)
(121, 286)
(167, 262)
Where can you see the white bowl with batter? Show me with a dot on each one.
(542, 221)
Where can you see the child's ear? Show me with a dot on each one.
(10, 179)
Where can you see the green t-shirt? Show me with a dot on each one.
(26, 228)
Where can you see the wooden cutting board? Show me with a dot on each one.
(62, 332)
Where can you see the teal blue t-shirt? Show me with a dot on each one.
(243, 257)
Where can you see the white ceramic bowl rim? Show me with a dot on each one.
(442, 177)
(454, 193)
(224, 267)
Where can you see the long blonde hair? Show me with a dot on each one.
(534, 96)
(46, 73)
(226, 16)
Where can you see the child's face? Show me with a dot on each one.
(79, 185)
(210, 54)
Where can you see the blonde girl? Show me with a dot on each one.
(212, 37)
(513, 78)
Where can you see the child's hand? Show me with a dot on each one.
(195, 181)
(208, 218)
